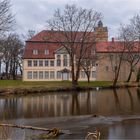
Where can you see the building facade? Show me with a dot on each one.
(45, 59)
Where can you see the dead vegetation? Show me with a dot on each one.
(93, 135)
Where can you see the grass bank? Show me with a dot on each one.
(19, 86)
(49, 84)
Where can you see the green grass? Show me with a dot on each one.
(48, 84)
(96, 83)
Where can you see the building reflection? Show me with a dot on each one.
(102, 102)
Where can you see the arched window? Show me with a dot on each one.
(58, 60)
(65, 61)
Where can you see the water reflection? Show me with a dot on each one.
(117, 102)
(131, 99)
(75, 109)
(128, 129)
(102, 102)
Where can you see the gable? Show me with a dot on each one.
(61, 50)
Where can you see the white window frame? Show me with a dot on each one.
(46, 52)
(40, 74)
(46, 75)
(35, 52)
(29, 63)
(35, 75)
(52, 74)
(59, 74)
(52, 63)
(46, 63)
(35, 63)
(40, 63)
(29, 75)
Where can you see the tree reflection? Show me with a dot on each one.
(117, 102)
(138, 94)
(75, 104)
(5, 133)
(88, 102)
(131, 99)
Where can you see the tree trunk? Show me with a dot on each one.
(0, 66)
(74, 79)
(6, 70)
(130, 74)
(118, 71)
(88, 77)
(74, 84)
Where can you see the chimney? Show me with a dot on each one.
(112, 39)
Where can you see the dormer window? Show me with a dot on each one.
(35, 52)
(46, 52)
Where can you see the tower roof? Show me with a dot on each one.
(100, 24)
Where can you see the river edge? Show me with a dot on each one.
(79, 126)
(27, 91)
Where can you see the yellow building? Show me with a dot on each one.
(45, 59)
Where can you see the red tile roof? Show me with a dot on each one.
(55, 36)
(41, 47)
(114, 47)
(46, 40)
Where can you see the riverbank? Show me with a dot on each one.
(16, 87)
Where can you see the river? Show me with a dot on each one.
(73, 111)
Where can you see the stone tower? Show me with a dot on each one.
(101, 33)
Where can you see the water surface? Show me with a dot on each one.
(34, 110)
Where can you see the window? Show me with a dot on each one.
(82, 74)
(29, 63)
(35, 63)
(58, 74)
(40, 63)
(93, 63)
(29, 75)
(46, 74)
(65, 63)
(51, 74)
(40, 74)
(107, 68)
(35, 52)
(97, 64)
(46, 52)
(46, 63)
(35, 75)
(93, 74)
(58, 60)
(51, 63)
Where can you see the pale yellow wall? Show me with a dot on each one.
(54, 68)
(103, 75)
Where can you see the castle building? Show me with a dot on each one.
(45, 59)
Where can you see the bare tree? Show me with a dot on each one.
(6, 22)
(130, 34)
(76, 26)
(6, 18)
(12, 49)
(89, 61)
(115, 55)
(30, 33)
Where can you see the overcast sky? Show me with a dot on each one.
(32, 14)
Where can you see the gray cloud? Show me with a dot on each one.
(32, 14)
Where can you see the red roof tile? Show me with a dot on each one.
(41, 47)
(114, 47)
(55, 36)
(46, 40)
